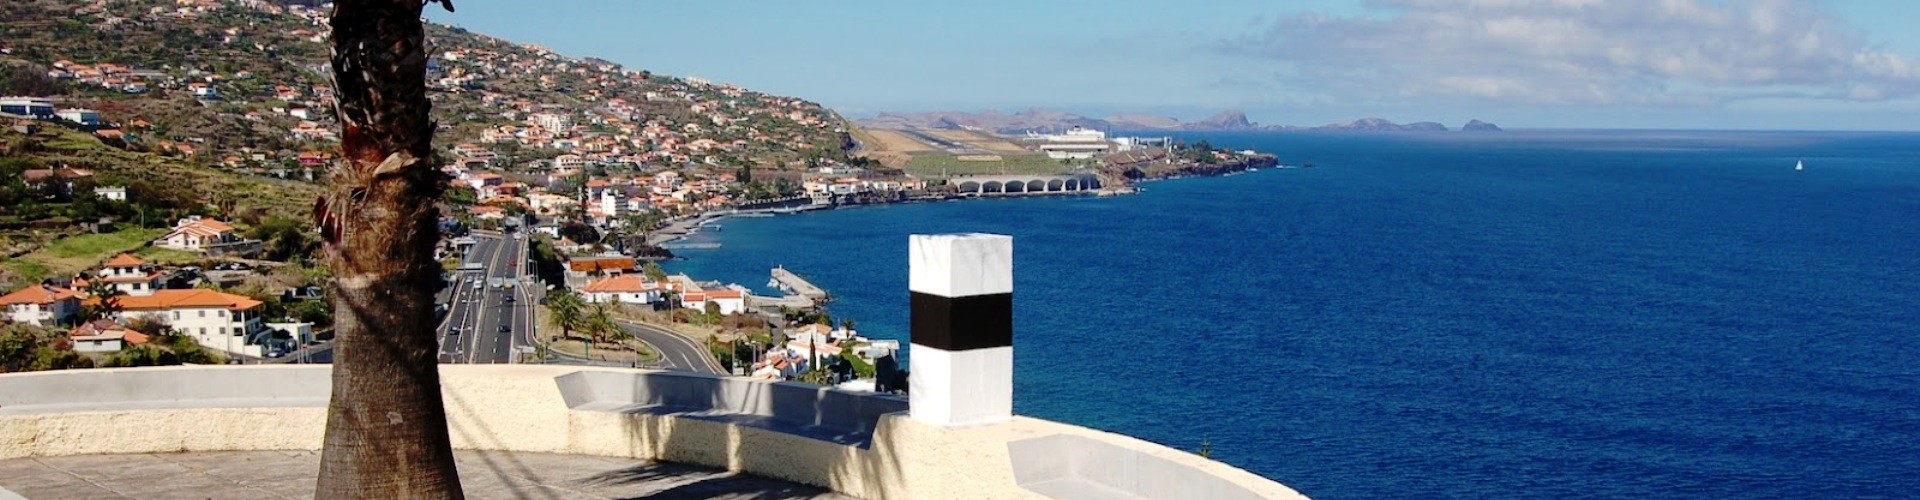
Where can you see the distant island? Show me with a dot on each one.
(1045, 121)
(1375, 125)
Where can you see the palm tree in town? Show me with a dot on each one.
(599, 323)
(386, 431)
(566, 310)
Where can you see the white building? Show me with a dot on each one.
(131, 275)
(217, 320)
(298, 334)
(876, 349)
(613, 203)
(41, 305)
(727, 301)
(199, 234)
(810, 343)
(569, 161)
(35, 107)
(1124, 144)
(1077, 143)
(626, 288)
(104, 335)
(549, 203)
(553, 122)
(81, 116)
(115, 193)
(481, 182)
(832, 341)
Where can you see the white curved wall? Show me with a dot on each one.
(738, 424)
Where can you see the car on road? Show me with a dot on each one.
(508, 298)
(505, 329)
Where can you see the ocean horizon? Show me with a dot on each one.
(1526, 313)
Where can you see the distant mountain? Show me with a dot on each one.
(1127, 121)
(1229, 120)
(1381, 125)
(1479, 126)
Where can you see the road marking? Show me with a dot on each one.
(706, 361)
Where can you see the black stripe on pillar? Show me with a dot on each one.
(964, 323)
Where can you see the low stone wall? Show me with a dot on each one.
(861, 445)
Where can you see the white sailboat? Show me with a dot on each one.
(1800, 165)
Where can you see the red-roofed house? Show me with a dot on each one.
(626, 288)
(41, 305)
(487, 212)
(203, 235)
(104, 335)
(596, 266)
(483, 181)
(727, 300)
(217, 320)
(63, 175)
(131, 275)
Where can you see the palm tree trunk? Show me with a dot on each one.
(386, 424)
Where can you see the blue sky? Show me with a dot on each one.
(1735, 64)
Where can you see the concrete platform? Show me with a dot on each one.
(290, 474)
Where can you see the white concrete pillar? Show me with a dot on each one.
(962, 331)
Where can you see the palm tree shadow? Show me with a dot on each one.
(715, 484)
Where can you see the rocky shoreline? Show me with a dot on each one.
(1131, 175)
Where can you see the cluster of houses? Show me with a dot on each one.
(807, 343)
(615, 279)
(629, 118)
(216, 320)
(625, 123)
(109, 75)
(298, 102)
(603, 202)
(45, 108)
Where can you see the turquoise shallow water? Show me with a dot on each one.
(1534, 314)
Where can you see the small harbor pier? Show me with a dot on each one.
(790, 282)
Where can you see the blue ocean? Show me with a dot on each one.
(1534, 314)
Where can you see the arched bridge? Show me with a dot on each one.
(1025, 184)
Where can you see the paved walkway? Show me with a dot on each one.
(290, 474)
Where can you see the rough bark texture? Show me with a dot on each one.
(386, 425)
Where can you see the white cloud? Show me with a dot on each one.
(1652, 52)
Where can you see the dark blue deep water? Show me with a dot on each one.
(1526, 314)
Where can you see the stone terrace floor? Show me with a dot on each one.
(290, 474)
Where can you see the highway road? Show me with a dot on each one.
(676, 352)
(478, 306)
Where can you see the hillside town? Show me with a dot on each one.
(536, 138)
(162, 190)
